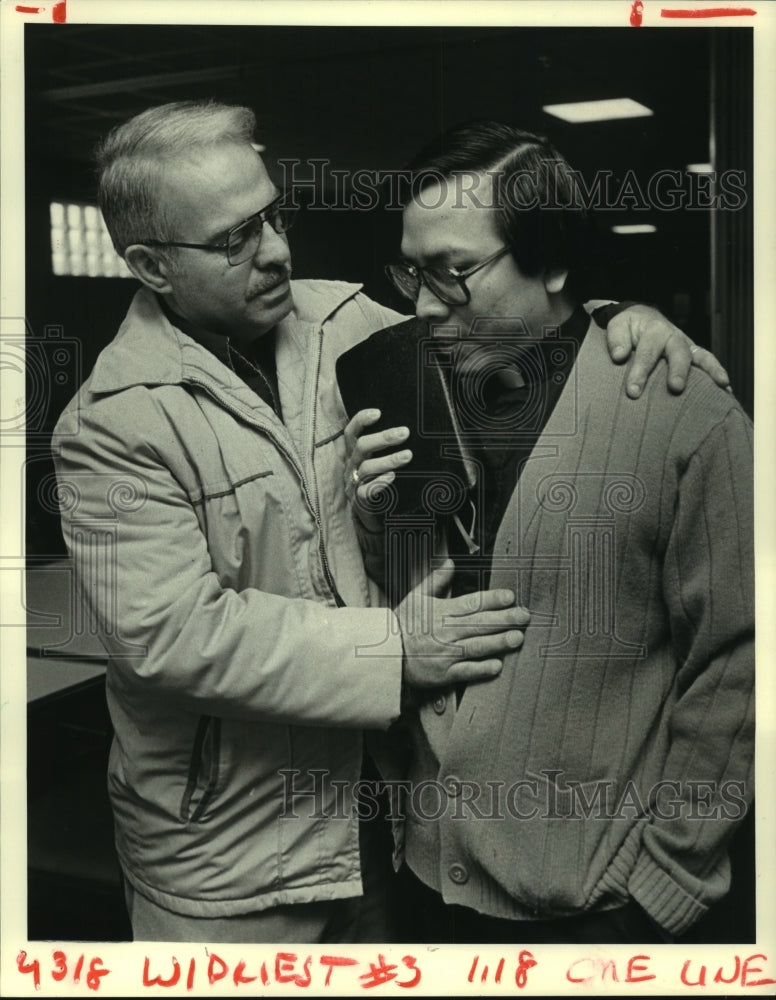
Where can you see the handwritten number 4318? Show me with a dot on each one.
(94, 971)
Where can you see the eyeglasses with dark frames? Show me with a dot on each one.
(447, 283)
(242, 240)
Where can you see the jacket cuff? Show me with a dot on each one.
(376, 637)
(666, 902)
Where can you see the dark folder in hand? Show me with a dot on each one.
(394, 370)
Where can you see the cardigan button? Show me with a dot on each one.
(453, 785)
(440, 704)
(458, 874)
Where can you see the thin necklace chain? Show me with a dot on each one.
(259, 372)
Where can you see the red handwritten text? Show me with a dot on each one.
(61, 970)
(285, 967)
(588, 970)
(525, 962)
(742, 971)
(384, 972)
(335, 961)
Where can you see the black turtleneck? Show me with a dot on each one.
(522, 414)
(254, 364)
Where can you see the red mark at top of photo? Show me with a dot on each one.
(710, 12)
(58, 11)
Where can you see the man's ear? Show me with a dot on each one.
(555, 280)
(149, 267)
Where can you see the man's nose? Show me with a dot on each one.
(272, 250)
(429, 307)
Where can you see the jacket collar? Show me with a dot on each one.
(149, 350)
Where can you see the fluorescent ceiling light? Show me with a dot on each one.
(700, 168)
(598, 111)
(639, 228)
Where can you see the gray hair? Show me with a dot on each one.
(131, 160)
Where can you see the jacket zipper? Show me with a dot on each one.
(299, 471)
(312, 408)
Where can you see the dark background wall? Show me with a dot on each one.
(368, 98)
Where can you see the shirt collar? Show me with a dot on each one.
(216, 343)
(574, 328)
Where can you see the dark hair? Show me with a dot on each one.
(535, 192)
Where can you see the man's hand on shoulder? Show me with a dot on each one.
(644, 332)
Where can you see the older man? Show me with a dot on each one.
(588, 793)
(248, 651)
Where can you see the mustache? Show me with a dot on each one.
(271, 277)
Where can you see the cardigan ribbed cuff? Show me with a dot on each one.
(371, 542)
(669, 905)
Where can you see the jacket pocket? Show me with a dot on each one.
(203, 769)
